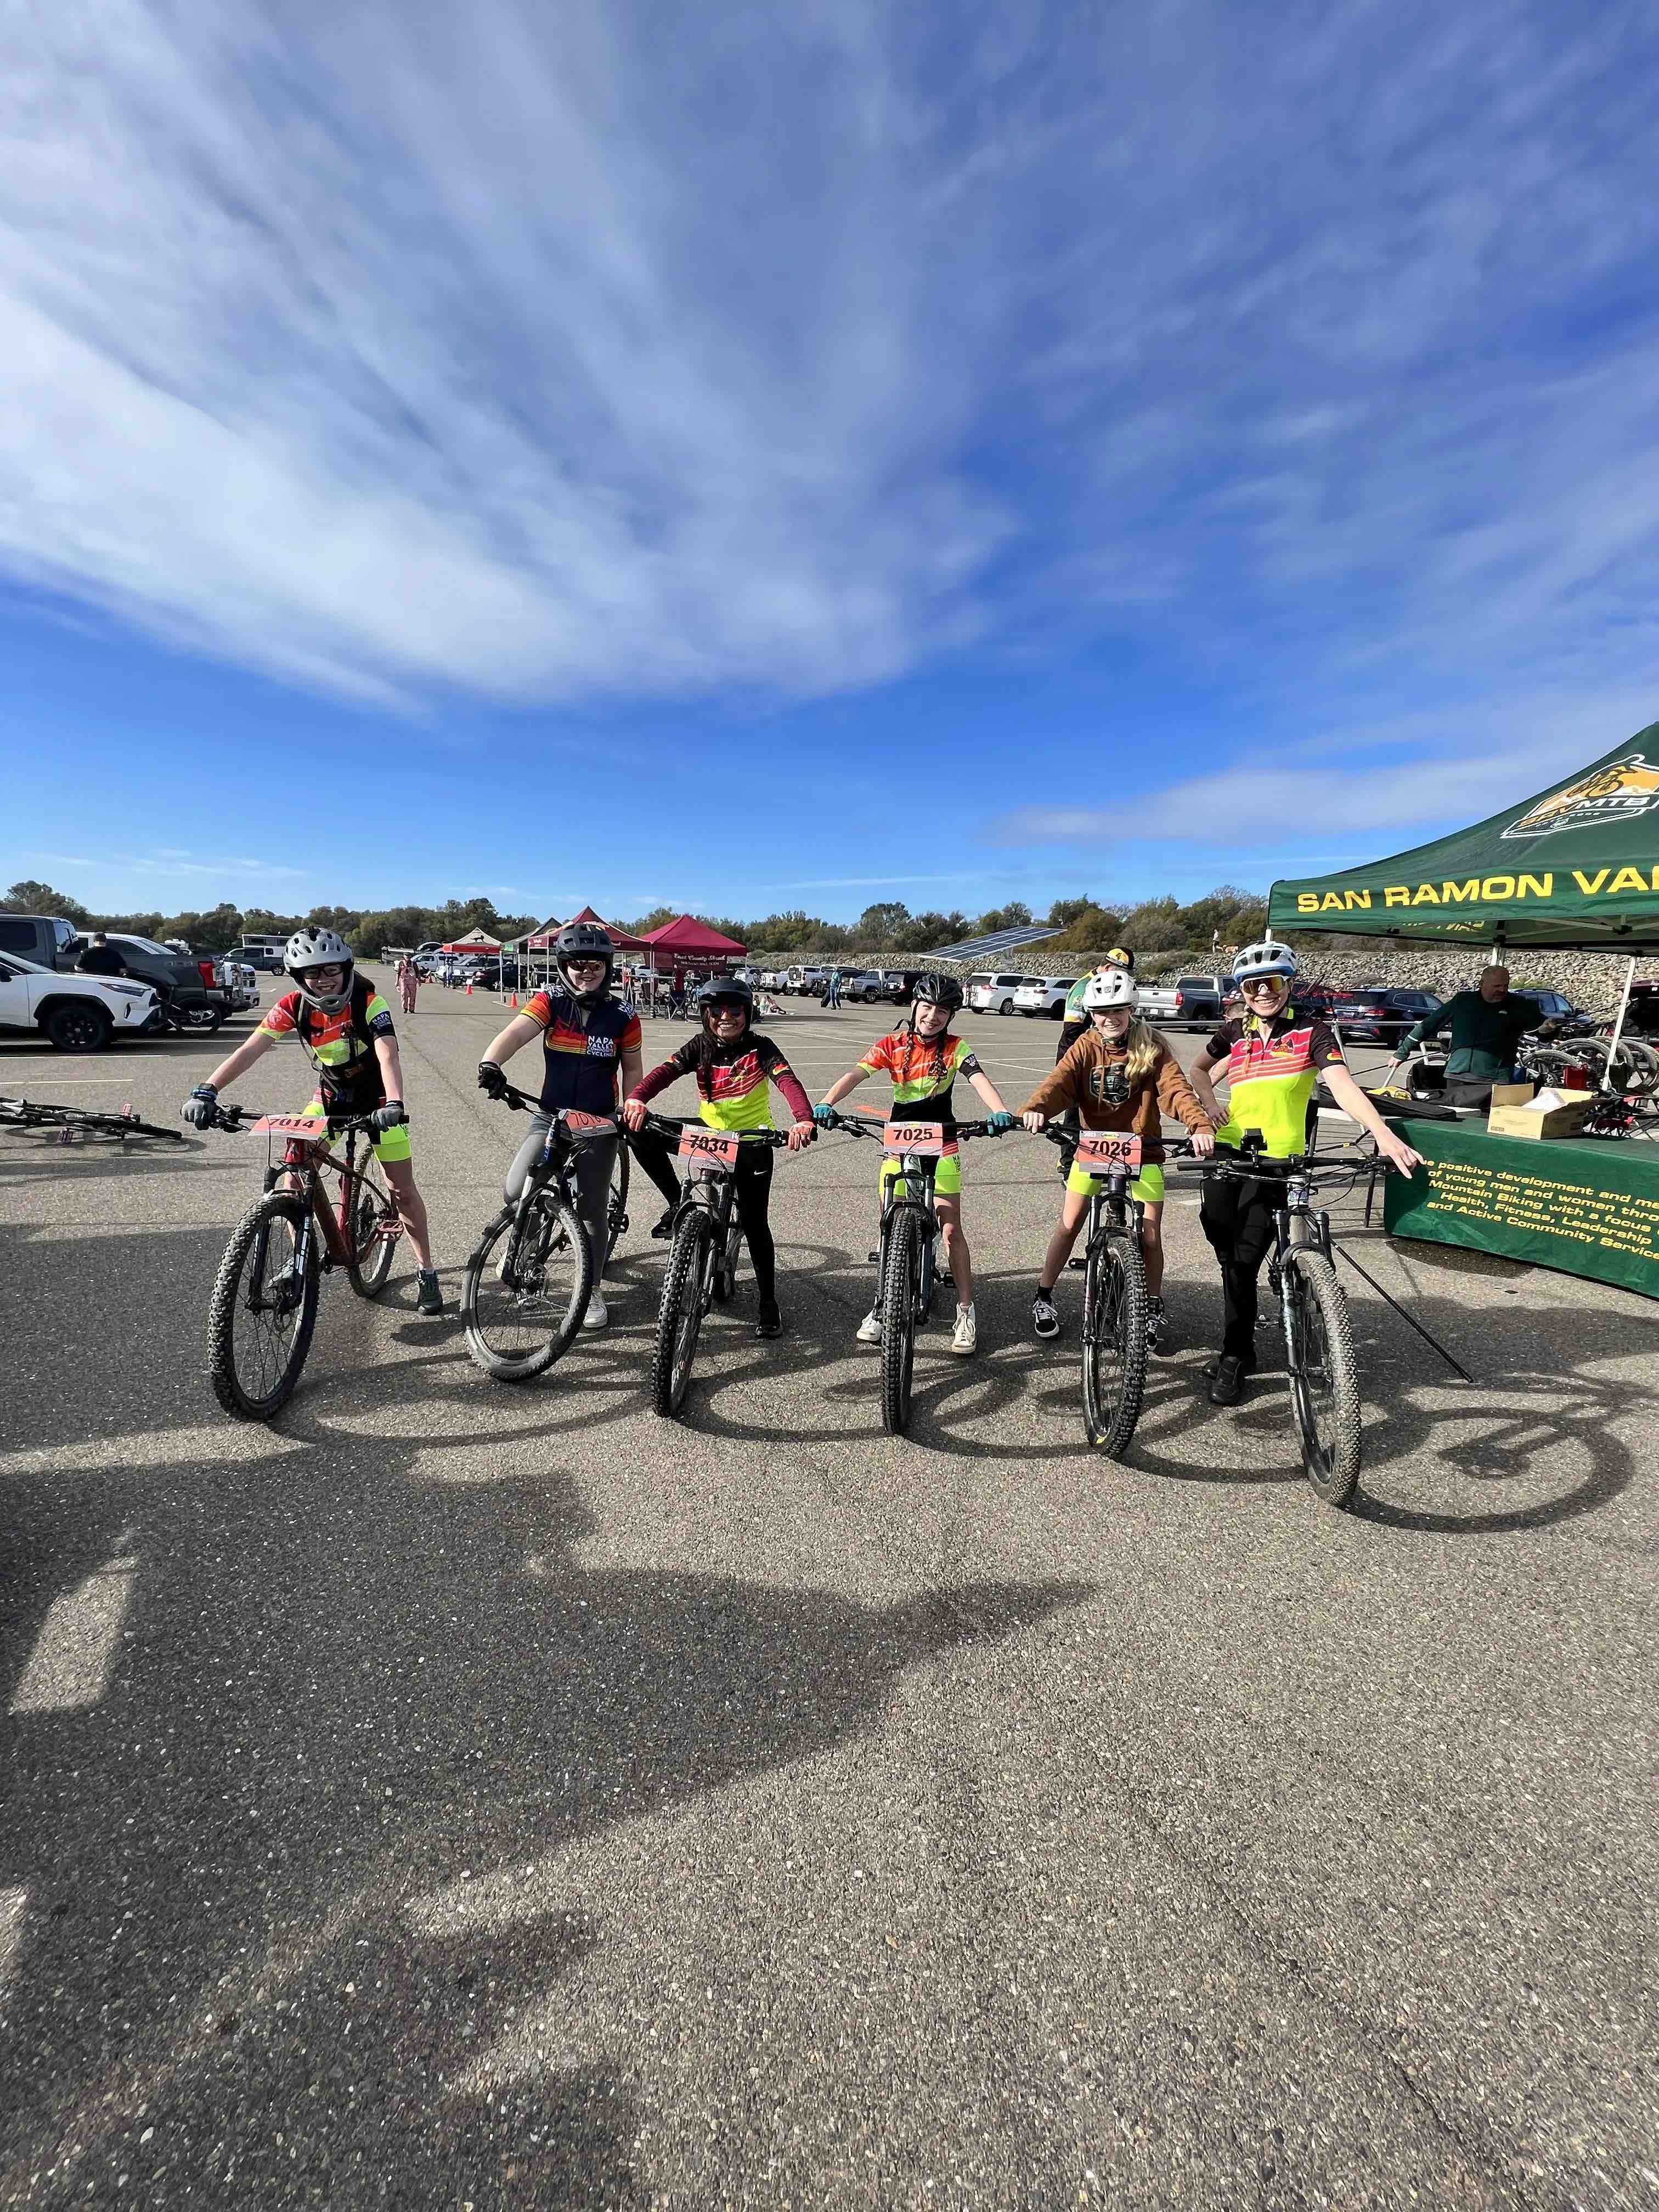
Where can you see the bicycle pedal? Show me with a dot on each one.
(1077, 1265)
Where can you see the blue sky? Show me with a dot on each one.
(740, 458)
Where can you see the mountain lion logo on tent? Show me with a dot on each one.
(1616, 792)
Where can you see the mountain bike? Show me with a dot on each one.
(529, 1279)
(73, 1122)
(703, 1250)
(263, 1306)
(1320, 1365)
(1115, 1293)
(907, 1254)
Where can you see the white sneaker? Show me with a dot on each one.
(598, 1314)
(870, 1328)
(965, 1337)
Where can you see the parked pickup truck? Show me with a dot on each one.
(77, 1013)
(1191, 1001)
(189, 988)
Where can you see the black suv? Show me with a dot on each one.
(1384, 1015)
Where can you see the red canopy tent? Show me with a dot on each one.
(687, 943)
(541, 940)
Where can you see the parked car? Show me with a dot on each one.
(1383, 1015)
(76, 1013)
(1556, 1006)
(804, 983)
(242, 982)
(1202, 999)
(994, 994)
(1044, 995)
(898, 985)
(860, 986)
(189, 990)
(1641, 1016)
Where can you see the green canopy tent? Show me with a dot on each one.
(1574, 868)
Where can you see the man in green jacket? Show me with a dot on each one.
(1487, 1025)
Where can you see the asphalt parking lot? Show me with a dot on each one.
(464, 1795)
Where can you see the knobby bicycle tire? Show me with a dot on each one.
(515, 1331)
(901, 1281)
(269, 1230)
(1323, 1374)
(375, 1227)
(1115, 1349)
(679, 1313)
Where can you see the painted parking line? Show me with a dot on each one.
(13, 1902)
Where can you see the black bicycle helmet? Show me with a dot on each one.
(584, 940)
(938, 991)
(731, 988)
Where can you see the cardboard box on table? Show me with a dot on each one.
(1517, 1111)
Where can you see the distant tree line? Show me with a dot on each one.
(1087, 925)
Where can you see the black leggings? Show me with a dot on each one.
(754, 1194)
(1239, 1219)
(652, 1152)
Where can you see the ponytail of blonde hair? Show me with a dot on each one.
(1143, 1044)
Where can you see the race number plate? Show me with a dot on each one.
(715, 1151)
(927, 1140)
(572, 1119)
(307, 1128)
(1099, 1151)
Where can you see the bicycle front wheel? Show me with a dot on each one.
(373, 1227)
(900, 1283)
(685, 1288)
(1113, 1342)
(1324, 1375)
(264, 1308)
(526, 1288)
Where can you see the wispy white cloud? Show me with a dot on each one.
(220, 868)
(633, 346)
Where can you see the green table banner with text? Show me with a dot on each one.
(1589, 1208)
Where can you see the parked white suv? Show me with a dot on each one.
(994, 994)
(1044, 995)
(77, 1013)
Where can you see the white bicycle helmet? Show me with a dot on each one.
(319, 948)
(1114, 987)
(1269, 958)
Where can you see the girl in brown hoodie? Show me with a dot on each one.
(1120, 1074)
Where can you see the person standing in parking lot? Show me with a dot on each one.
(1487, 1025)
(100, 957)
(408, 981)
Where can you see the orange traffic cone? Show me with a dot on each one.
(512, 998)
(469, 990)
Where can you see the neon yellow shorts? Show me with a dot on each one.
(947, 1176)
(1147, 1186)
(390, 1145)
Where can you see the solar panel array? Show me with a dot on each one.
(976, 949)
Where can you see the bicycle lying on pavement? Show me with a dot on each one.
(263, 1306)
(530, 1275)
(73, 1122)
(907, 1254)
(1320, 1365)
(704, 1240)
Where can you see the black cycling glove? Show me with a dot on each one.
(202, 1107)
(492, 1079)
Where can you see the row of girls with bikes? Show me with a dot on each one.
(1114, 1073)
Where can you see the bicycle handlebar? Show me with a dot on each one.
(869, 1124)
(521, 1102)
(670, 1125)
(237, 1119)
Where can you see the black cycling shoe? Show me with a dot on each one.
(666, 1226)
(1045, 1322)
(1229, 1381)
(769, 1321)
(430, 1298)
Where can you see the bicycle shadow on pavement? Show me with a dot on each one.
(326, 1713)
